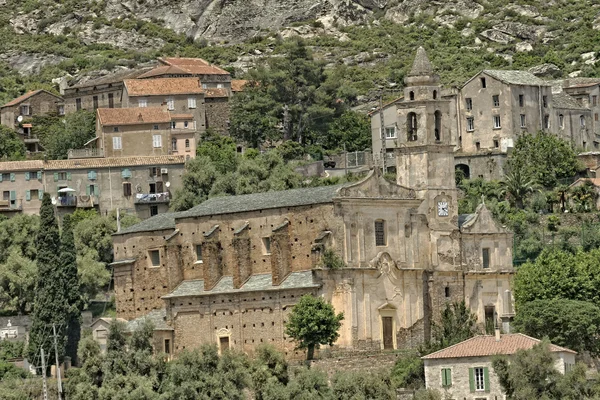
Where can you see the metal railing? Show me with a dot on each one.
(85, 153)
(152, 198)
(11, 205)
(66, 201)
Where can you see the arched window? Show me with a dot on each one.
(435, 94)
(438, 125)
(411, 127)
(187, 143)
(561, 121)
(412, 95)
(582, 120)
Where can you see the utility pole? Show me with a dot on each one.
(58, 381)
(383, 149)
(345, 161)
(44, 382)
(118, 220)
(286, 123)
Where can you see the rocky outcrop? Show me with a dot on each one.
(29, 64)
(546, 71)
(497, 36)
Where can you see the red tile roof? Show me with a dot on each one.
(132, 116)
(196, 66)
(27, 95)
(30, 165)
(182, 61)
(113, 162)
(182, 116)
(486, 345)
(163, 70)
(237, 85)
(163, 86)
(215, 92)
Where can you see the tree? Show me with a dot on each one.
(313, 322)
(408, 373)
(517, 185)
(351, 129)
(584, 197)
(197, 181)
(269, 372)
(58, 134)
(456, 324)
(529, 375)
(50, 306)
(68, 258)
(11, 147)
(570, 323)
(362, 385)
(545, 158)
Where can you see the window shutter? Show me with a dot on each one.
(12, 176)
(159, 187)
(28, 195)
(448, 377)
(471, 380)
(13, 195)
(26, 176)
(486, 379)
(444, 384)
(91, 175)
(97, 190)
(68, 176)
(87, 190)
(56, 177)
(1, 177)
(39, 175)
(126, 173)
(41, 194)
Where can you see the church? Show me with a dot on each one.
(230, 270)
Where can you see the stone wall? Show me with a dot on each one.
(359, 361)
(217, 114)
(486, 165)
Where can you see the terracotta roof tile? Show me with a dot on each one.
(113, 162)
(237, 85)
(197, 66)
(163, 70)
(29, 165)
(27, 95)
(486, 345)
(163, 86)
(182, 116)
(215, 92)
(132, 116)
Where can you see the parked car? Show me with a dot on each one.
(329, 164)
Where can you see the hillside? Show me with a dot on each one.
(367, 43)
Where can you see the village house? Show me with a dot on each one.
(230, 270)
(464, 371)
(138, 185)
(100, 328)
(17, 114)
(486, 115)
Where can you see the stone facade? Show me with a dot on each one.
(487, 114)
(217, 112)
(230, 270)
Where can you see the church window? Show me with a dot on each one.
(411, 127)
(199, 253)
(582, 120)
(470, 124)
(390, 133)
(496, 100)
(266, 242)
(435, 94)
(438, 126)
(167, 346)
(497, 124)
(154, 258)
(380, 239)
(469, 103)
(483, 84)
(523, 121)
(485, 255)
(412, 95)
(447, 292)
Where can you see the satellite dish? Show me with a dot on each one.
(20, 118)
(53, 201)
(168, 184)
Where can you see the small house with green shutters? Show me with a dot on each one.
(464, 371)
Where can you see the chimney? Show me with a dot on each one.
(497, 334)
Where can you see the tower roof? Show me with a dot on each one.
(421, 65)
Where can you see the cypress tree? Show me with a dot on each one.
(68, 258)
(50, 306)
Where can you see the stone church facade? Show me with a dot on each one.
(230, 270)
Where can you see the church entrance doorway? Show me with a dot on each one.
(388, 333)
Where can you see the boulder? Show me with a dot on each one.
(546, 71)
(524, 10)
(497, 36)
(522, 31)
(523, 47)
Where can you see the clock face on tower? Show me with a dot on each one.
(442, 208)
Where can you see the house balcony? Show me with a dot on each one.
(85, 153)
(31, 139)
(153, 198)
(66, 201)
(11, 205)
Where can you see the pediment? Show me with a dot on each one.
(386, 306)
(482, 221)
(375, 186)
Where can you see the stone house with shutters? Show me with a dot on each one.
(17, 114)
(464, 371)
(140, 185)
(230, 270)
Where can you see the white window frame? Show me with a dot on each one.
(156, 141)
(479, 377)
(117, 143)
(204, 86)
(142, 103)
(496, 100)
(497, 122)
(198, 259)
(170, 103)
(191, 102)
(469, 103)
(470, 124)
(219, 86)
(390, 132)
(523, 121)
(266, 245)
(25, 110)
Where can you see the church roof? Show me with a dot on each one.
(515, 77)
(421, 65)
(157, 223)
(157, 317)
(257, 282)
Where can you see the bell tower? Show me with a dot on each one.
(425, 155)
